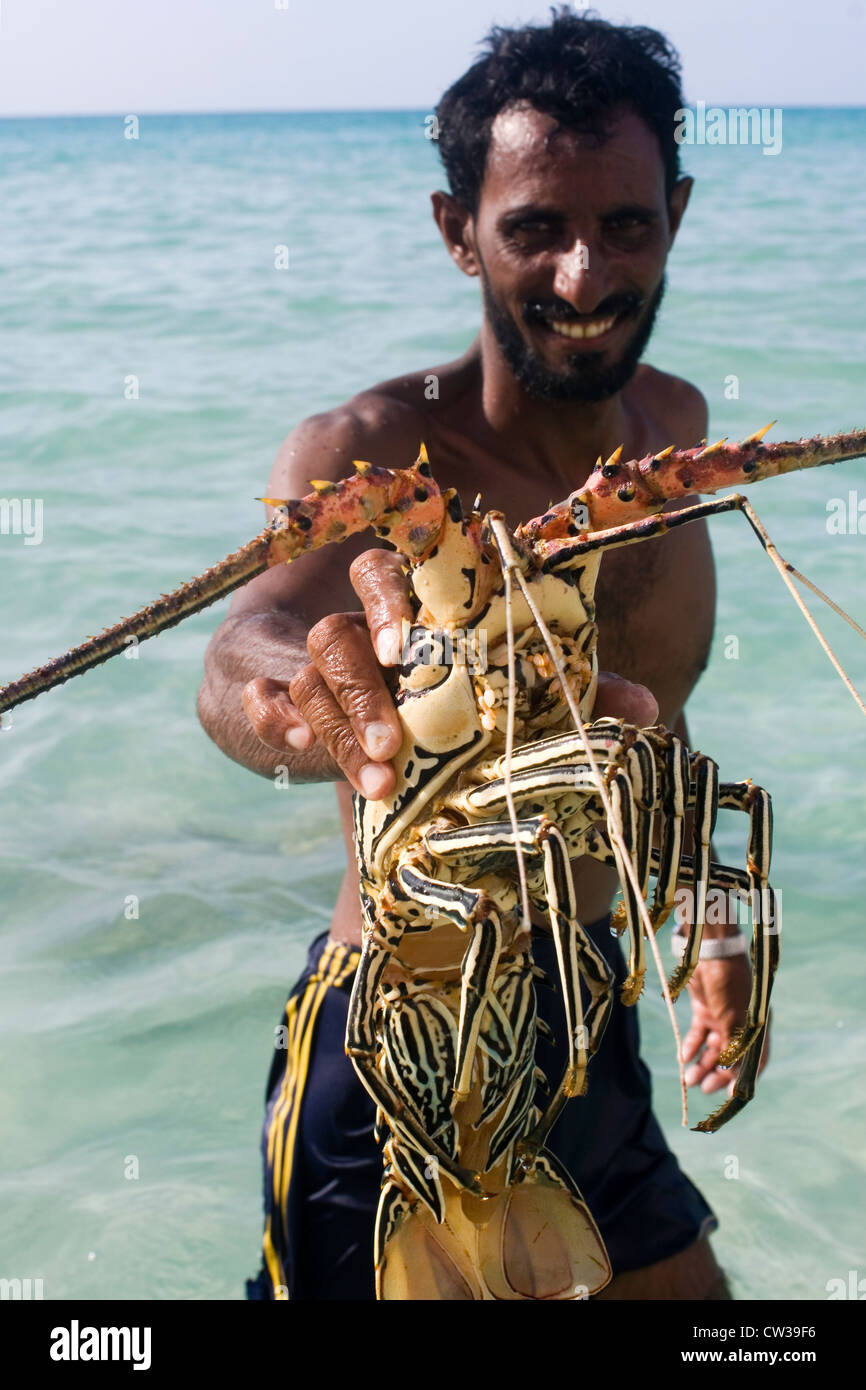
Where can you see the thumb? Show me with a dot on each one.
(272, 715)
(694, 1040)
(625, 700)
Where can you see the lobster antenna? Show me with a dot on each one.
(509, 743)
(826, 598)
(786, 570)
(615, 827)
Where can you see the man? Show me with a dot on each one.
(565, 199)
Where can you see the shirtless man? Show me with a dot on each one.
(568, 226)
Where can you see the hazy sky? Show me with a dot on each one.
(121, 56)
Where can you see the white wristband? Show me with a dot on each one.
(718, 948)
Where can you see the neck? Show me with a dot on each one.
(548, 434)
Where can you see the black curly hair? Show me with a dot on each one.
(578, 68)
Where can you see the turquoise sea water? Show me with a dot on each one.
(141, 1044)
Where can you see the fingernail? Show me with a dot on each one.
(299, 736)
(374, 779)
(377, 739)
(389, 645)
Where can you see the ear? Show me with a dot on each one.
(457, 229)
(677, 204)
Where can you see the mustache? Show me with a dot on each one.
(629, 302)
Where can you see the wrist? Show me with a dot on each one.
(714, 948)
(713, 931)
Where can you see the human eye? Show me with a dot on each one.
(629, 227)
(532, 230)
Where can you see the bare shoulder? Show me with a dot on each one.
(375, 425)
(672, 406)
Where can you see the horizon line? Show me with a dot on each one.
(365, 110)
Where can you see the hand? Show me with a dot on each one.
(719, 991)
(339, 699)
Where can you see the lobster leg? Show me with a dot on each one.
(474, 911)
(606, 739)
(705, 802)
(747, 1044)
(537, 771)
(575, 952)
(535, 791)
(624, 817)
(754, 802)
(599, 979)
(535, 1238)
(576, 955)
(376, 952)
(641, 774)
(672, 763)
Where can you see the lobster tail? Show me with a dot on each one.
(536, 1240)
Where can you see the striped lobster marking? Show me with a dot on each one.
(500, 784)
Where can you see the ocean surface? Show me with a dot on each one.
(157, 899)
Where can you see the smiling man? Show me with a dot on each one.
(565, 198)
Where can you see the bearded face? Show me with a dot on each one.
(570, 239)
(584, 375)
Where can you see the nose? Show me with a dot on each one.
(579, 278)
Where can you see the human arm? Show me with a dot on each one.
(292, 679)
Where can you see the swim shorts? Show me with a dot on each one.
(323, 1168)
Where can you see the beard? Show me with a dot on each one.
(587, 377)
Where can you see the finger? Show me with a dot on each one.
(707, 1073)
(622, 699)
(274, 718)
(718, 1079)
(694, 1041)
(378, 580)
(318, 707)
(339, 647)
(706, 1063)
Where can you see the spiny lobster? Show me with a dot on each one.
(500, 784)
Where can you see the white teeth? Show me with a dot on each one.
(582, 330)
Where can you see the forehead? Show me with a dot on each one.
(532, 157)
